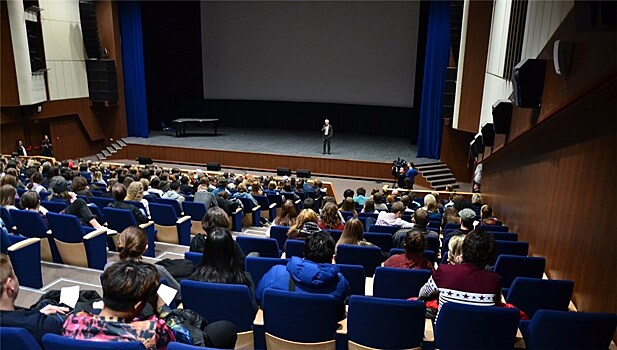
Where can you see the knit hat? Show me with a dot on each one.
(467, 214)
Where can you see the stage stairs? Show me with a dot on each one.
(437, 175)
(113, 148)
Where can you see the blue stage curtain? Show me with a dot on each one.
(436, 62)
(129, 13)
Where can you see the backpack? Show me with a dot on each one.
(198, 243)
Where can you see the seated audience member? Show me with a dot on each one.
(393, 218)
(155, 182)
(353, 234)
(243, 193)
(129, 287)
(468, 282)
(80, 186)
(455, 250)
(476, 200)
(221, 263)
(185, 186)
(221, 186)
(135, 193)
(430, 205)
(215, 218)
(450, 216)
(350, 206)
(369, 207)
(413, 258)
(7, 197)
(256, 188)
(110, 184)
(379, 205)
(30, 200)
(330, 219)
(203, 195)
(420, 218)
(272, 188)
(461, 202)
(486, 213)
(174, 193)
(132, 243)
(75, 206)
(119, 192)
(309, 203)
(348, 193)
(287, 216)
(37, 322)
(305, 226)
(406, 200)
(468, 216)
(36, 181)
(313, 274)
(361, 197)
(390, 199)
(97, 180)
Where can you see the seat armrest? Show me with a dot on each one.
(23, 243)
(237, 211)
(259, 318)
(257, 207)
(111, 232)
(99, 231)
(183, 219)
(49, 232)
(272, 205)
(429, 333)
(298, 201)
(342, 327)
(147, 224)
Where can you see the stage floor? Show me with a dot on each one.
(294, 142)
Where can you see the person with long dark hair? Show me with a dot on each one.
(221, 263)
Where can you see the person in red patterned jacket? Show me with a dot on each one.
(413, 258)
(468, 282)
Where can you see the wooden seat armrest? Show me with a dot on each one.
(429, 333)
(257, 207)
(298, 201)
(342, 327)
(259, 318)
(22, 244)
(237, 211)
(147, 224)
(183, 219)
(97, 232)
(49, 232)
(111, 232)
(272, 205)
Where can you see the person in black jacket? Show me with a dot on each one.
(119, 192)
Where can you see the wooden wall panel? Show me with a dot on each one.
(476, 48)
(454, 151)
(8, 77)
(70, 140)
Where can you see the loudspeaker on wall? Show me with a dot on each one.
(502, 116)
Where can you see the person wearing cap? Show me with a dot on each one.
(75, 206)
(468, 216)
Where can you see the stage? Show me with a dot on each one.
(352, 155)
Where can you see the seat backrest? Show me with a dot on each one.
(231, 302)
(551, 329)
(383, 229)
(195, 257)
(336, 234)
(461, 326)
(354, 274)
(382, 240)
(17, 338)
(163, 214)
(294, 247)
(395, 251)
(6, 217)
(196, 211)
(29, 223)
(394, 324)
(258, 266)
(372, 215)
(58, 342)
(266, 247)
(247, 204)
(282, 309)
(494, 228)
(65, 227)
(533, 294)
(174, 204)
(101, 202)
(369, 257)
(505, 236)
(119, 219)
(54, 206)
(511, 266)
(179, 346)
(451, 226)
(432, 243)
(398, 283)
(512, 248)
(138, 204)
(280, 234)
(263, 201)
(275, 198)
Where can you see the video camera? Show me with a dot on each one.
(397, 166)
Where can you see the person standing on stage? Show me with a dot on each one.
(327, 131)
(411, 175)
(46, 146)
(21, 150)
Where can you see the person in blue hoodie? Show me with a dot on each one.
(313, 274)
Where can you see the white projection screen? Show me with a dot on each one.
(353, 52)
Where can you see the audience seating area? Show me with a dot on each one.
(379, 314)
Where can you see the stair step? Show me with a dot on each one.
(122, 143)
(443, 187)
(101, 156)
(106, 153)
(111, 149)
(439, 177)
(116, 146)
(429, 164)
(434, 172)
(443, 182)
(433, 167)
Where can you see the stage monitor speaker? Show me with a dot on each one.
(528, 82)
(488, 134)
(303, 173)
(283, 172)
(144, 160)
(502, 116)
(213, 166)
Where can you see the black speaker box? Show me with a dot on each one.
(102, 80)
(502, 116)
(303, 173)
(283, 172)
(144, 160)
(595, 15)
(213, 166)
(89, 28)
(528, 82)
(488, 134)
(472, 149)
(479, 144)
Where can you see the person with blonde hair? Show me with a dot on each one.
(135, 193)
(330, 219)
(243, 193)
(350, 206)
(306, 225)
(455, 250)
(353, 234)
(7, 197)
(431, 207)
(486, 214)
(476, 199)
(288, 214)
